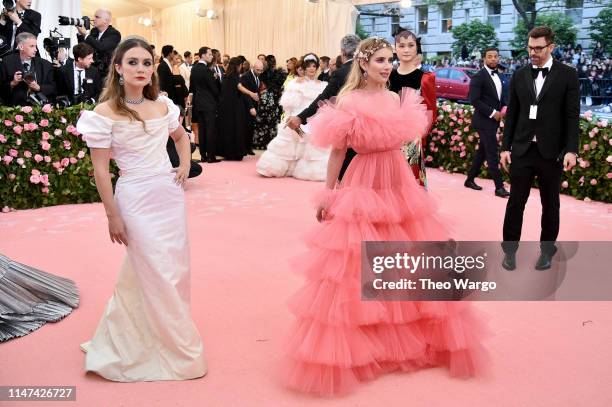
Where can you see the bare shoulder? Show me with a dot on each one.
(104, 109)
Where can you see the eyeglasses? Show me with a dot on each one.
(537, 50)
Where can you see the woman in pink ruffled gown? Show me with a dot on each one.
(340, 340)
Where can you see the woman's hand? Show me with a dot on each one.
(253, 112)
(182, 173)
(116, 230)
(322, 213)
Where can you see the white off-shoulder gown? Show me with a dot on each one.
(147, 332)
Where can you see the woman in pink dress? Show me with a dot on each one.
(340, 340)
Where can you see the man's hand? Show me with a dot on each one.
(255, 96)
(293, 122)
(16, 79)
(569, 161)
(253, 112)
(82, 31)
(34, 86)
(505, 160)
(497, 116)
(14, 17)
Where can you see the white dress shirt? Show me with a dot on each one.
(185, 73)
(78, 78)
(539, 81)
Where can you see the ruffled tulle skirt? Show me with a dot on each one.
(338, 339)
(29, 298)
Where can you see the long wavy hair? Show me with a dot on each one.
(114, 93)
(364, 52)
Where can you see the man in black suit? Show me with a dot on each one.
(217, 66)
(488, 97)
(164, 71)
(348, 45)
(21, 20)
(23, 75)
(540, 140)
(78, 79)
(204, 94)
(324, 75)
(103, 38)
(250, 87)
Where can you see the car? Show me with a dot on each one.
(454, 83)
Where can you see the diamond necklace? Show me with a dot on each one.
(135, 101)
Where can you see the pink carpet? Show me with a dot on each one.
(243, 229)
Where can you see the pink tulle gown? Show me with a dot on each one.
(338, 339)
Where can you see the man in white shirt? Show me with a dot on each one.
(185, 67)
(78, 79)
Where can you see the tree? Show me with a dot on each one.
(562, 26)
(474, 35)
(360, 31)
(601, 28)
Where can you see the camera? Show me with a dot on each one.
(38, 99)
(54, 42)
(9, 5)
(84, 21)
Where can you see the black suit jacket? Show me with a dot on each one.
(30, 23)
(483, 96)
(556, 126)
(104, 47)
(19, 94)
(166, 80)
(336, 82)
(247, 80)
(205, 88)
(324, 76)
(92, 83)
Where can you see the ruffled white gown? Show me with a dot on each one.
(288, 154)
(146, 332)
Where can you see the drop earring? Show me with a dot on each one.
(121, 81)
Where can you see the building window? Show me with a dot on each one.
(421, 15)
(395, 23)
(446, 17)
(573, 9)
(467, 15)
(494, 13)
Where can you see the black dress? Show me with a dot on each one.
(231, 125)
(269, 110)
(398, 81)
(180, 90)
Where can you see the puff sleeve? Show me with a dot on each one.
(96, 129)
(173, 114)
(331, 125)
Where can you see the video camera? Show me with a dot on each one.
(54, 42)
(84, 21)
(8, 5)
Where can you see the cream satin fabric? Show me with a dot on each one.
(146, 332)
(285, 28)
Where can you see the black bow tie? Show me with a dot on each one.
(535, 71)
(494, 72)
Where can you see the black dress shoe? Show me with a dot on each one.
(213, 160)
(251, 152)
(545, 260)
(509, 262)
(502, 193)
(471, 184)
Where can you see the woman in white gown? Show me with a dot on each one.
(289, 153)
(146, 332)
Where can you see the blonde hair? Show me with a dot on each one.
(114, 93)
(364, 52)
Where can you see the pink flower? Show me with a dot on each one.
(13, 152)
(35, 179)
(603, 123)
(19, 118)
(12, 177)
(45, 190)
(45, 136)
(460, 121)
(581, 180)
(70, 128)
(60, 170)
(466, 129)
(20, 161)
(609, 159)
(585, 147)
(452, 124)
(65, 161)
(593, 144)
(47, 108)
(45, 146)
(446, 108)
(587, 199)
(81, 154)
(609, 175)
(591, 134)
(470, 138)
(47, 159)
(462, 154)
(67, 145)
(564, 184)
(73, 160)
(440, 133)
(593, 181)
(588, 115)
(26, 109)
(27, 154)
(18, 141)
(443, 141)
(63, 120)
(2, 138)
(595, 130)
(30, 126)
(18, 129)
(453, 117)
(8, 123)
(35, 171)
(6, 209)
(44, 123)
(459, 133)
(45, 180)
(57, 132)
(429, 158)
(56, 164)
(38, 158)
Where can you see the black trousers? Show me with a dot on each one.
(207, 134)
(487, 150)
(194, 170)
(249, 132)
(523, 171)
(350, 154)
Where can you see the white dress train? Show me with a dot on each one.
(288, 154)
(147, 332)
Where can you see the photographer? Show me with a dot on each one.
(26, 79)
(103, 38)
(78, 80)
(17, 20)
